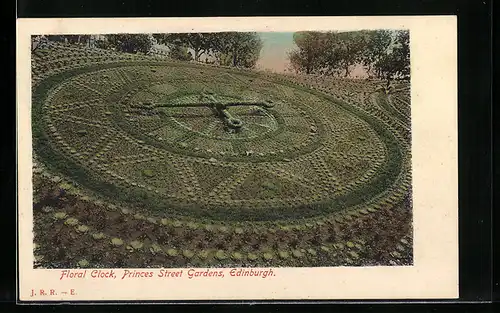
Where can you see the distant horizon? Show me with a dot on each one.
(275, 49)
(274, 53)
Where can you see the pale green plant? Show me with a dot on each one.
(117, 242)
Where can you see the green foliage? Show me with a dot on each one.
(377, 45)
(172, 252)
(199, 43)
(311, 251)
(148, 173)
(283, 254)
(103, 44)
(188, 253)
(354, 254)
(238, 49)
(203, 254)
(268, 255)
(60, 215)
(181, 53)
(71, 221)
(155, 249)
(252, 256)
(344, 50)
(297, 253)
(72, 39)
(136, 244)
(83, 263)
(220, 255)
(130, 43)
(236, 256)
(116, 242)
(383, 53)
(396, 63)
(309, 57)
(98, 236)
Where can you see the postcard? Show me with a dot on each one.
(249, 158)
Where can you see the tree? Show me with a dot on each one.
(200, 43)
(130, 43)
(309, 56)
(402, 51)
(327, 52)
(377, 44)
(396, 62)
(345, 50)
(102, 43)
(384, 52)
(236, 48)
(228, 48)
(73, 39)
(178, 52)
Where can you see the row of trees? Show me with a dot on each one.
(384, 54)
(240, 49)
(130, 43)
(226, 48)
(73, 39)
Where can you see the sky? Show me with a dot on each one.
(274, 53)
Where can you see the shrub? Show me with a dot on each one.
(283, 254)
(203, 254)
(71, 221)
(220, 255)
(236, 256)
(98, 236)
(252, 256)
(60, 215)
(155, 248)
(148, 173)
(136, 244)
(172, 252)
(188, 253)
(116, 242)
(83, 263)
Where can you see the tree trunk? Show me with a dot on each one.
(200, 53)
(234, 57)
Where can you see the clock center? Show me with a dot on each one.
(221, 108)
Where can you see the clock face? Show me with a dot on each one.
(159, 135)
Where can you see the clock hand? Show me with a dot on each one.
(221, 108)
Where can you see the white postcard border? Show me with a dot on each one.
(433, 41)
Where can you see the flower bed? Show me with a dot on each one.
(331, 153)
